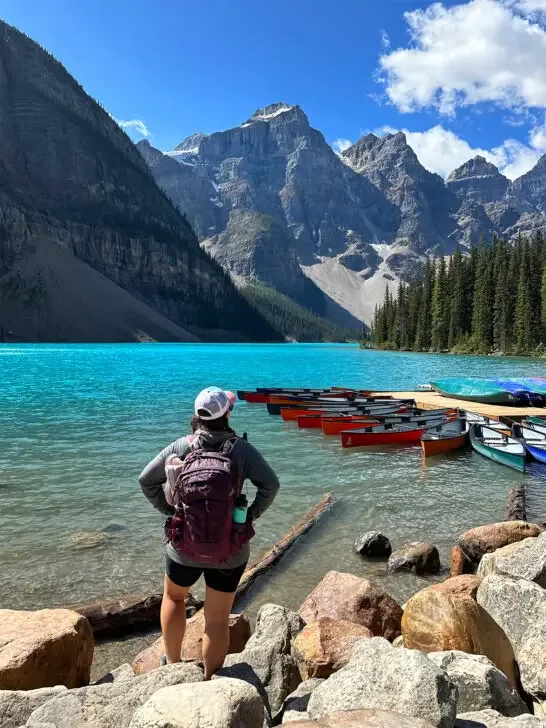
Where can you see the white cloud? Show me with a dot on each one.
(479, 51)
(440, 150)
(530, 7)
(340, 145)
(134, 125)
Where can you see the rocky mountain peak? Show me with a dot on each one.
(478, 180)
(278, 112)
(388, 151)
(190, 145)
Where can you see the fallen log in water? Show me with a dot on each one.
(276, 552)
(118, 617)
(516, 509)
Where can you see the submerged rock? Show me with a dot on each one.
(353, 599)
(382, 677)
(81, 540)
(422, 558)
(44, 648)
(373, 544)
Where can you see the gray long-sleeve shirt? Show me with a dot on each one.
(248, 464)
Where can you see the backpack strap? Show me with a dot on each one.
(227, 446)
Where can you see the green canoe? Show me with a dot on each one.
(498, 447)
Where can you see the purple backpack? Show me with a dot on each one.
(205, 494)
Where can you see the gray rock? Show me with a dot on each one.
(17, 705)
(266, 662)
(295, 705)
(119, 674)
(373, 544)
(365, 719)
(422, 558)
(513, 603)
(493, 719)
(481, 685)
(523, 560)
(531, 657)
(111, 705)
(399, 641)
(380, 676)
(220, 703)
(478, 180)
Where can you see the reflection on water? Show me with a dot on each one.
(78, 423)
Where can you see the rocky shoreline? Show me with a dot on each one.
(467, 652)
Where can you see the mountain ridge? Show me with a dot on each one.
(349, 221)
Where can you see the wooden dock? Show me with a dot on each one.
(433, 400)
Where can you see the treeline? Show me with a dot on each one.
(491, 300)
(290, 319)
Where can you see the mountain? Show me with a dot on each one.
(478, 180)
(273, 203)
(85, 231)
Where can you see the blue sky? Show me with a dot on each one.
(461, 78)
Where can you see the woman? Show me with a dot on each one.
(212, 409)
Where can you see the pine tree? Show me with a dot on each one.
(457, 300)
(523, 313)
(482, 318)
(439, 308)
(502, 312)
(544, 303)
(423, 334)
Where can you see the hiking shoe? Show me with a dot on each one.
(163, 661)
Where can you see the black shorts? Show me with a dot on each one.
(222, 580)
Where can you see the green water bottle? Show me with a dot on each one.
(240, 510)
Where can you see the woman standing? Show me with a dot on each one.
(202, 536)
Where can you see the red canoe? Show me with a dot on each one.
(385, 435)
(314, 421)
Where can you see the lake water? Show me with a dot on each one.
(79, 422)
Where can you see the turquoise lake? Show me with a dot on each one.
(79, 422)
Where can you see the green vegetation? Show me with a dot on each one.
(491, 301)
(292, 320)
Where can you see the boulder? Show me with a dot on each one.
(325, 645)
(484, 539)
(521, 560)
(123, 672)
(267, 662)
(353, 599)
(379, 676)
(464, 585)
(44, 648)
(17, 705)
(295, 705)
(373, 544)
(239, 634)
(398, 642)
(364, 719)
(531, 656)
(81, 540)
(111, 705)
(514, 604)
(459, 563)
(219, 703)
(422, 558)
(481, 685)
(493, 719)
(435, 622)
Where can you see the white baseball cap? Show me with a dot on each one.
(211, 403)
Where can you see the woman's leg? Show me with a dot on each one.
(216, 637)
(173, 618)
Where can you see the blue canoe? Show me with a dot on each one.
(533, 439)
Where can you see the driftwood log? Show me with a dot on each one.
(516, 509)
(122, 616)
(268, 559)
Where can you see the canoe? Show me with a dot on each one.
(333, 425)
(533, 425)
(291, 415)
(445, 438)
(314, 422)
(533, 440)
(536, 420)
(497, 446)
(386, 434)
(475, 419)
(492, 391)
